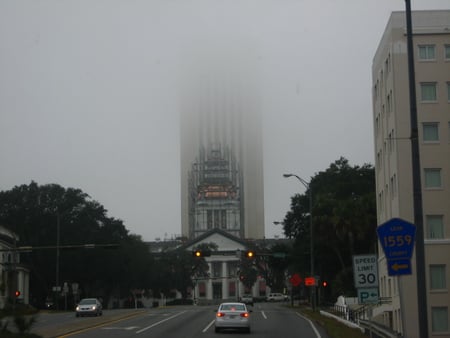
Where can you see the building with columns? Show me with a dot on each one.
(223, 282)
(13, 275)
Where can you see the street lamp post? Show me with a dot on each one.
(58, 226)
(307, 185)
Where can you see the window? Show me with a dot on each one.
(448, 91)
(209, 219)
(223, 219)
(447, 52)
(216, 269)
(433, 178)
(201, 289)
(427, 52)
(437, 277)
(428, 92)
(439, 319)
(430, 131)
(435, 227)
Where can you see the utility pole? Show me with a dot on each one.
(417, 185)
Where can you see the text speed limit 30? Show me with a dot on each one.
(365, 271)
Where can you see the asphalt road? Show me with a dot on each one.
(269, 320)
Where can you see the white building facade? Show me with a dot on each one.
(223, 282)
(392, 131)
(13, 276)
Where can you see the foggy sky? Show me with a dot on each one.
(89, 93)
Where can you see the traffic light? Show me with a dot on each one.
(201, 253)
(249, 254)
(324, 283)
(17, 293)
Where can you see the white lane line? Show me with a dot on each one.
(263, 314)
(208, 326)
(312, 325)
(160, 322)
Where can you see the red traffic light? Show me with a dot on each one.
(17, 293)
(324, 283)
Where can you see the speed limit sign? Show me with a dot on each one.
(365, 271)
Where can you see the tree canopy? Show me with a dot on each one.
(344, 222)
(43, 215)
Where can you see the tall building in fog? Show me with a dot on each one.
(221, 147)
(394, 184)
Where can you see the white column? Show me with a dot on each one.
(209, 293)
(224, 280)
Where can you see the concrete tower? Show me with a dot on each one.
(221, 145)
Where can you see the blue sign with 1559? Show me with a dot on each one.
(397, 238)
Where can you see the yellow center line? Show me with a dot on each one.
(100, 325)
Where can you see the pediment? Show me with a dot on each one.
(224, 242)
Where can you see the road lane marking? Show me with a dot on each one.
(263, 314)
(312, 325)
(68, 334)
(208, 326)
(128, 328)
(160, 322)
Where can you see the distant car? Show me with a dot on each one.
(234, 316)
(247, 299)
(89, 307)
(275, 297)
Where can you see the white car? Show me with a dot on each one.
(247, 299)
(275, 297)
(89, 306)
(234, 316)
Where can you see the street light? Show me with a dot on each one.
(307, 185)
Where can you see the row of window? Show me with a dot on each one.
(428, 52)
(429, 92)
(438, 282)
(430, 134)
(439, 314)
(432, 181)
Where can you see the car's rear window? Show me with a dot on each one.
(233, 307)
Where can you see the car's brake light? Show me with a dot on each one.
(220, 314)
(245, 314)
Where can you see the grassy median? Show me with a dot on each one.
(333, 328)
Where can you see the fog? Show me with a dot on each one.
(90, 92)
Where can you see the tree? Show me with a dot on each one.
(36, 213)
(344, 220)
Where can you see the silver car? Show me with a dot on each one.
(232, 316)
(89, 306)
(247, 299)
